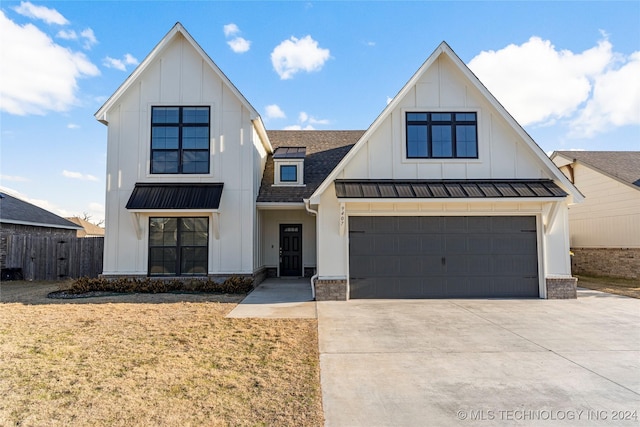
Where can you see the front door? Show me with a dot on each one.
(290, 249)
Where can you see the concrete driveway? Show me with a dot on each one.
(481, 362)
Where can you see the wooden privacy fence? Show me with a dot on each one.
(55, 258)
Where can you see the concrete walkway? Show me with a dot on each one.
(278, 298)
(481, 362)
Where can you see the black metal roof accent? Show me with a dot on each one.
(175, 196)
(290, 153)
(446, 189)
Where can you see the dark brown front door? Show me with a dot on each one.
(290, 249)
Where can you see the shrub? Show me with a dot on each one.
(232, 285)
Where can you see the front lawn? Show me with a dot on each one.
(153, 360)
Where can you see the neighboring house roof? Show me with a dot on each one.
(16, 211)
(324, 150)
(444, 49)
(175, 196)
(623, 166)
(88, 229)
(446, 189)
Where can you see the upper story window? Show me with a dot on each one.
(442, 135)
(289, 173)
(180, 140)
(289, 165)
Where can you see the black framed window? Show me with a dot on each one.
(288, 173)
(442, 135)
(179, 140)
(178, 246)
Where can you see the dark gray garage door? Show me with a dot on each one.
(443, 257)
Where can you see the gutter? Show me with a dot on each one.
(307, 206)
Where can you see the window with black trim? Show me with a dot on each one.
(442, 135)
(179, 140)
(178, 246)
(288, 173)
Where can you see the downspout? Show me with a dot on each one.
(307, 206)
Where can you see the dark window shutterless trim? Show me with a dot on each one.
(178, 246)
(180, 140)
(441, 135)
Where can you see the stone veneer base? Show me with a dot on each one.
(609, 262)
(562, 287)
(331, 289)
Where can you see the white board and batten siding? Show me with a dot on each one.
(179, 75)
(502, 154)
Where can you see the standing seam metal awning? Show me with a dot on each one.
(447, 189)
(175, 196)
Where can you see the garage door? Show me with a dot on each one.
(443, 257)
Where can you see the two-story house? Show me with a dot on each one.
(445, 195)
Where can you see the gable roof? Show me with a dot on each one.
(16, 211)
(623, 166)
(324, 149)
(445, 49)
(177, 30)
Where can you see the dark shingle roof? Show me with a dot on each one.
(446, 189)
(324, 150)
(621, 165)
(16, 211)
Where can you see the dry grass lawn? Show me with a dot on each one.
(151, 360)
(626, 287)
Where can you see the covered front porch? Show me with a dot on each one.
(286, 240)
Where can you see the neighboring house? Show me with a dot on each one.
(445, 195)
(88, 229)
(605, 228)
(21, 219)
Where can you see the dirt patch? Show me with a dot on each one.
(612, 285)
(151, 359)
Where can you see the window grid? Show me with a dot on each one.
(179, 140)
(445, 135)
(178, 246)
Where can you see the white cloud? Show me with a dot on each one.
(38, 75)
(89, 38)
(14, 178)
(594, 90)
(615, 100)
(536, 82)
(67, 35)
(273, 111)
(73, 126)
(120, 64)
(87, 34)
(298, 127)
(306, 122)
(79, 176)
(239, 45)
(295, 55)
(50, 16)
(230, 30)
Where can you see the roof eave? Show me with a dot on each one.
(101, 114)
(444, 48)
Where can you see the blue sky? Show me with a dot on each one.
(569, 72)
